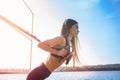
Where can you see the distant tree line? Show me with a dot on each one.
(91, 68)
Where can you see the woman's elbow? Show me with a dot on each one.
(40, 45)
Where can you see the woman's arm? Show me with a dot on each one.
(48, 44)
(46, 47)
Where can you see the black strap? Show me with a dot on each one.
(67, 47)
(60, 57)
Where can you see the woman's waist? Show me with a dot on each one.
(52, 63)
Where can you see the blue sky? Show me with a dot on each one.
(98, 24)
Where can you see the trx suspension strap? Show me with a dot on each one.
(19, 29)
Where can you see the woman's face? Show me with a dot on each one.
(74, 30)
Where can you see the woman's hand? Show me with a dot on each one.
(62, 52)
(67, 58)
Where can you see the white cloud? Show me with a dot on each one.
(116, 1)
(86, 4)
(109, 16)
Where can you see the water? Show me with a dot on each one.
(88, 75)
(85, 75)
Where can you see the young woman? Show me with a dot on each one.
(59, 49)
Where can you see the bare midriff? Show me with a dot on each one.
(52, 63)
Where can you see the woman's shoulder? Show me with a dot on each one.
(59, 38)
(55, 41)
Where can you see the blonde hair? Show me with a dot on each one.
(68, 23)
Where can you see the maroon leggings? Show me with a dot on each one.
(39, 73)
